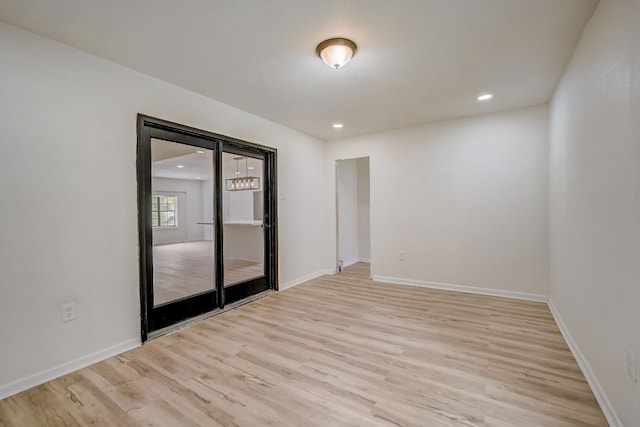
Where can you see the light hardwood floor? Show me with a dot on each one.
(359, 270)
(335, 351)
(185, 269)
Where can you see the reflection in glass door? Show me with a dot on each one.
(179, 248)
(244, 237)
(182, 221)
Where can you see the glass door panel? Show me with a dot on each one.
(182, 184)
(243, 228)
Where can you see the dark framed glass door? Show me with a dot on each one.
(246, 222)
(206, 230)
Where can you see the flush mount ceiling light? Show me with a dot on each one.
(485, 97)
(243, 183)
(336, 52)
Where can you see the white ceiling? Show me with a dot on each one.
(180, 161)
(418, 61)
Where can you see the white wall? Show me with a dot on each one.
(68, 123)
(347, 181)
(364, 233)
(595, 204)
(466, 200)
(190, 207)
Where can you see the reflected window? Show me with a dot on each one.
(164, 211)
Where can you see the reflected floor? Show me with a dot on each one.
(359, 270)
(184, 269)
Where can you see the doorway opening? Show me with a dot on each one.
(353, 230)
(207, 229)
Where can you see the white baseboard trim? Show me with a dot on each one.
(42, 377)
(301, 280)
(364, 260)
(608, 410)
(463, 288)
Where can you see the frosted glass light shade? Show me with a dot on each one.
(336, 52)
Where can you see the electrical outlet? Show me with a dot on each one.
(631, 365)
(68, 311)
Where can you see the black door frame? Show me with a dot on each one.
(159, 317)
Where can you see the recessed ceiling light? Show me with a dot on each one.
(337, 125)
(180, 166)
(200, 152)
(485, 97)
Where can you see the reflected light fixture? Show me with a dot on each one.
(485, 97)
(336, 53)
(242, 183)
